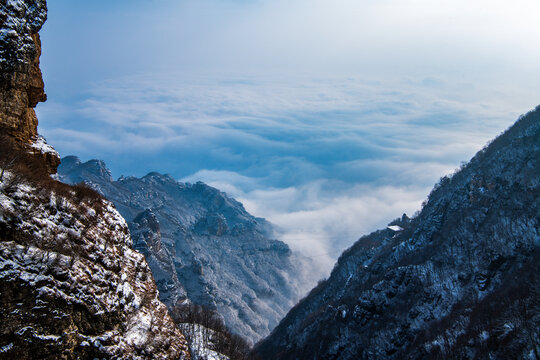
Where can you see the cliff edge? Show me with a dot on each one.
(71, 284)
(21, 81)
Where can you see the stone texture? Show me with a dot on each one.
(21, 86)
(21, 82)
(71, 285)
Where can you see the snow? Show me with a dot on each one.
(40, 144)
(395, 228)
(139, 329)
(199, 343)
(484, 335)
(47, 337)
(5, 203)
(507, 328)
(17, 4)
(6, 348)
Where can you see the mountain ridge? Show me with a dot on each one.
(223, 257)
(459, 280)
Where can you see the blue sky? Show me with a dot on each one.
(329, 118)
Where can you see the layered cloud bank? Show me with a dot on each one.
(330, 118)
(325, 160)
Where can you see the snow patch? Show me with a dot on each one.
(139, 329)
(40, 144)
(200, 342)
(6, 348)
(484, 335)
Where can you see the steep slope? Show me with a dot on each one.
(461, 280)
(71, 285)
(201, 245)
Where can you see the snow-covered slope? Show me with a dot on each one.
(200, 342)
(459, 281)
(71, 285)
(201, 244)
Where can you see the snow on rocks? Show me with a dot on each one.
(200, 342)
(395, 228)
(72, 284)
(40, 144)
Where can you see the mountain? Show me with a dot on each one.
(202, 246)
(71, 284)
(461, 280)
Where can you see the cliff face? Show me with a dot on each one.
(202, 246)
(71, 285)
(21, 82)
(460, 280)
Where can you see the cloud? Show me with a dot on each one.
(325, 159)
(329, 118)
(321, 218)
(287, 131)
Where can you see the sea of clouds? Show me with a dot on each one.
(326, 160)
(329, 118)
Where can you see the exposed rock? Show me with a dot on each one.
(459, 281)
(21, 82)
(44, 152)
(146, 234)
(202, 246)
(71, 285)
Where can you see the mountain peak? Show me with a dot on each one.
(75, 171)
(203, 245)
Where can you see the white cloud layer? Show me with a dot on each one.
(328, 117)
(319, 219)
(326, 160)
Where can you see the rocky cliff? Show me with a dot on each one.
(21, 82)
(71, 284)
(202, 246)
(458, 281)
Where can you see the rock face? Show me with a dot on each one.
(202, 246)
(21, 82)
(460, 280)
(71, 285)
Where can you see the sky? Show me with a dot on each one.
(329, 118)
